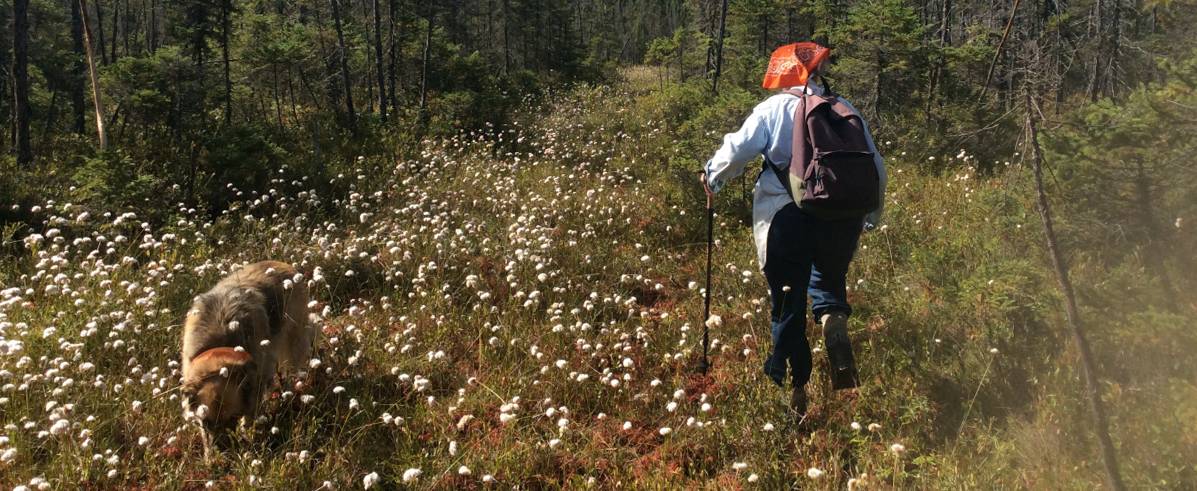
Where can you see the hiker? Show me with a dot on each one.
(808, 209)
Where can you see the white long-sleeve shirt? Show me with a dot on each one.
(769, 132)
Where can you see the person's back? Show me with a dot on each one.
(797, 248)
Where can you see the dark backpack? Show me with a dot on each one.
(832, 174)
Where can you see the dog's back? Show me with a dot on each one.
(260, 309)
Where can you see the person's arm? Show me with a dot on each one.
(738, 149)
(873, 219)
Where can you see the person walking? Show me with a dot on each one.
(821, 184)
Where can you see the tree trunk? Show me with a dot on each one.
(998, 52)
(945, 40)
(100, 24)
(1115, 46)
(506, 38)
(1095, 75)
(226, 6)
(125, 24)
(1088, 367)
(278, 103)
(20, 74)
(392, 70)
(77, 69)
(344, 61)
(424, 69)
(95, 78)
(151, 32)
(116, 17)
(719, 48)
(378, 65)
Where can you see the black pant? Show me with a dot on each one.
(804, 253)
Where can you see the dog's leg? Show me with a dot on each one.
(206, 438)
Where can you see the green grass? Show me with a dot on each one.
(577, 240)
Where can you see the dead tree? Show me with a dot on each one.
(95, 78)
(1101, 424)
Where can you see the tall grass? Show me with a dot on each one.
(523, 309)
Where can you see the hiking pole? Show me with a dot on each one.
(706, 308)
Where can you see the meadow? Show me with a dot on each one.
(522, 308)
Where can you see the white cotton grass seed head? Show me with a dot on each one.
(814, 473)
(369, 480)
(715, 321)
(412, 475)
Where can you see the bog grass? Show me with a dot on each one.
(523, 309)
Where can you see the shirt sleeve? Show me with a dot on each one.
(738, 149)
(873, 219)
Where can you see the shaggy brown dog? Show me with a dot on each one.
(237, 336)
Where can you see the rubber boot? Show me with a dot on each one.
(798, 403)
(839, 351)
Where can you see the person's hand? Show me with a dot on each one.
(702, 176)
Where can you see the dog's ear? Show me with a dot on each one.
(211, 361)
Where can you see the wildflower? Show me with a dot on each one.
(814, 473)
(369, 480)
(897, 448)
(768, 427)
(874, 427)
(411, 475)
(855, 426)
(554, 443)
(463, 471)
(714, 322)
(665, 431)
(59, 427)
(739, 466)
(753, 478)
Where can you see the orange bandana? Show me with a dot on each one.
(791, 64)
